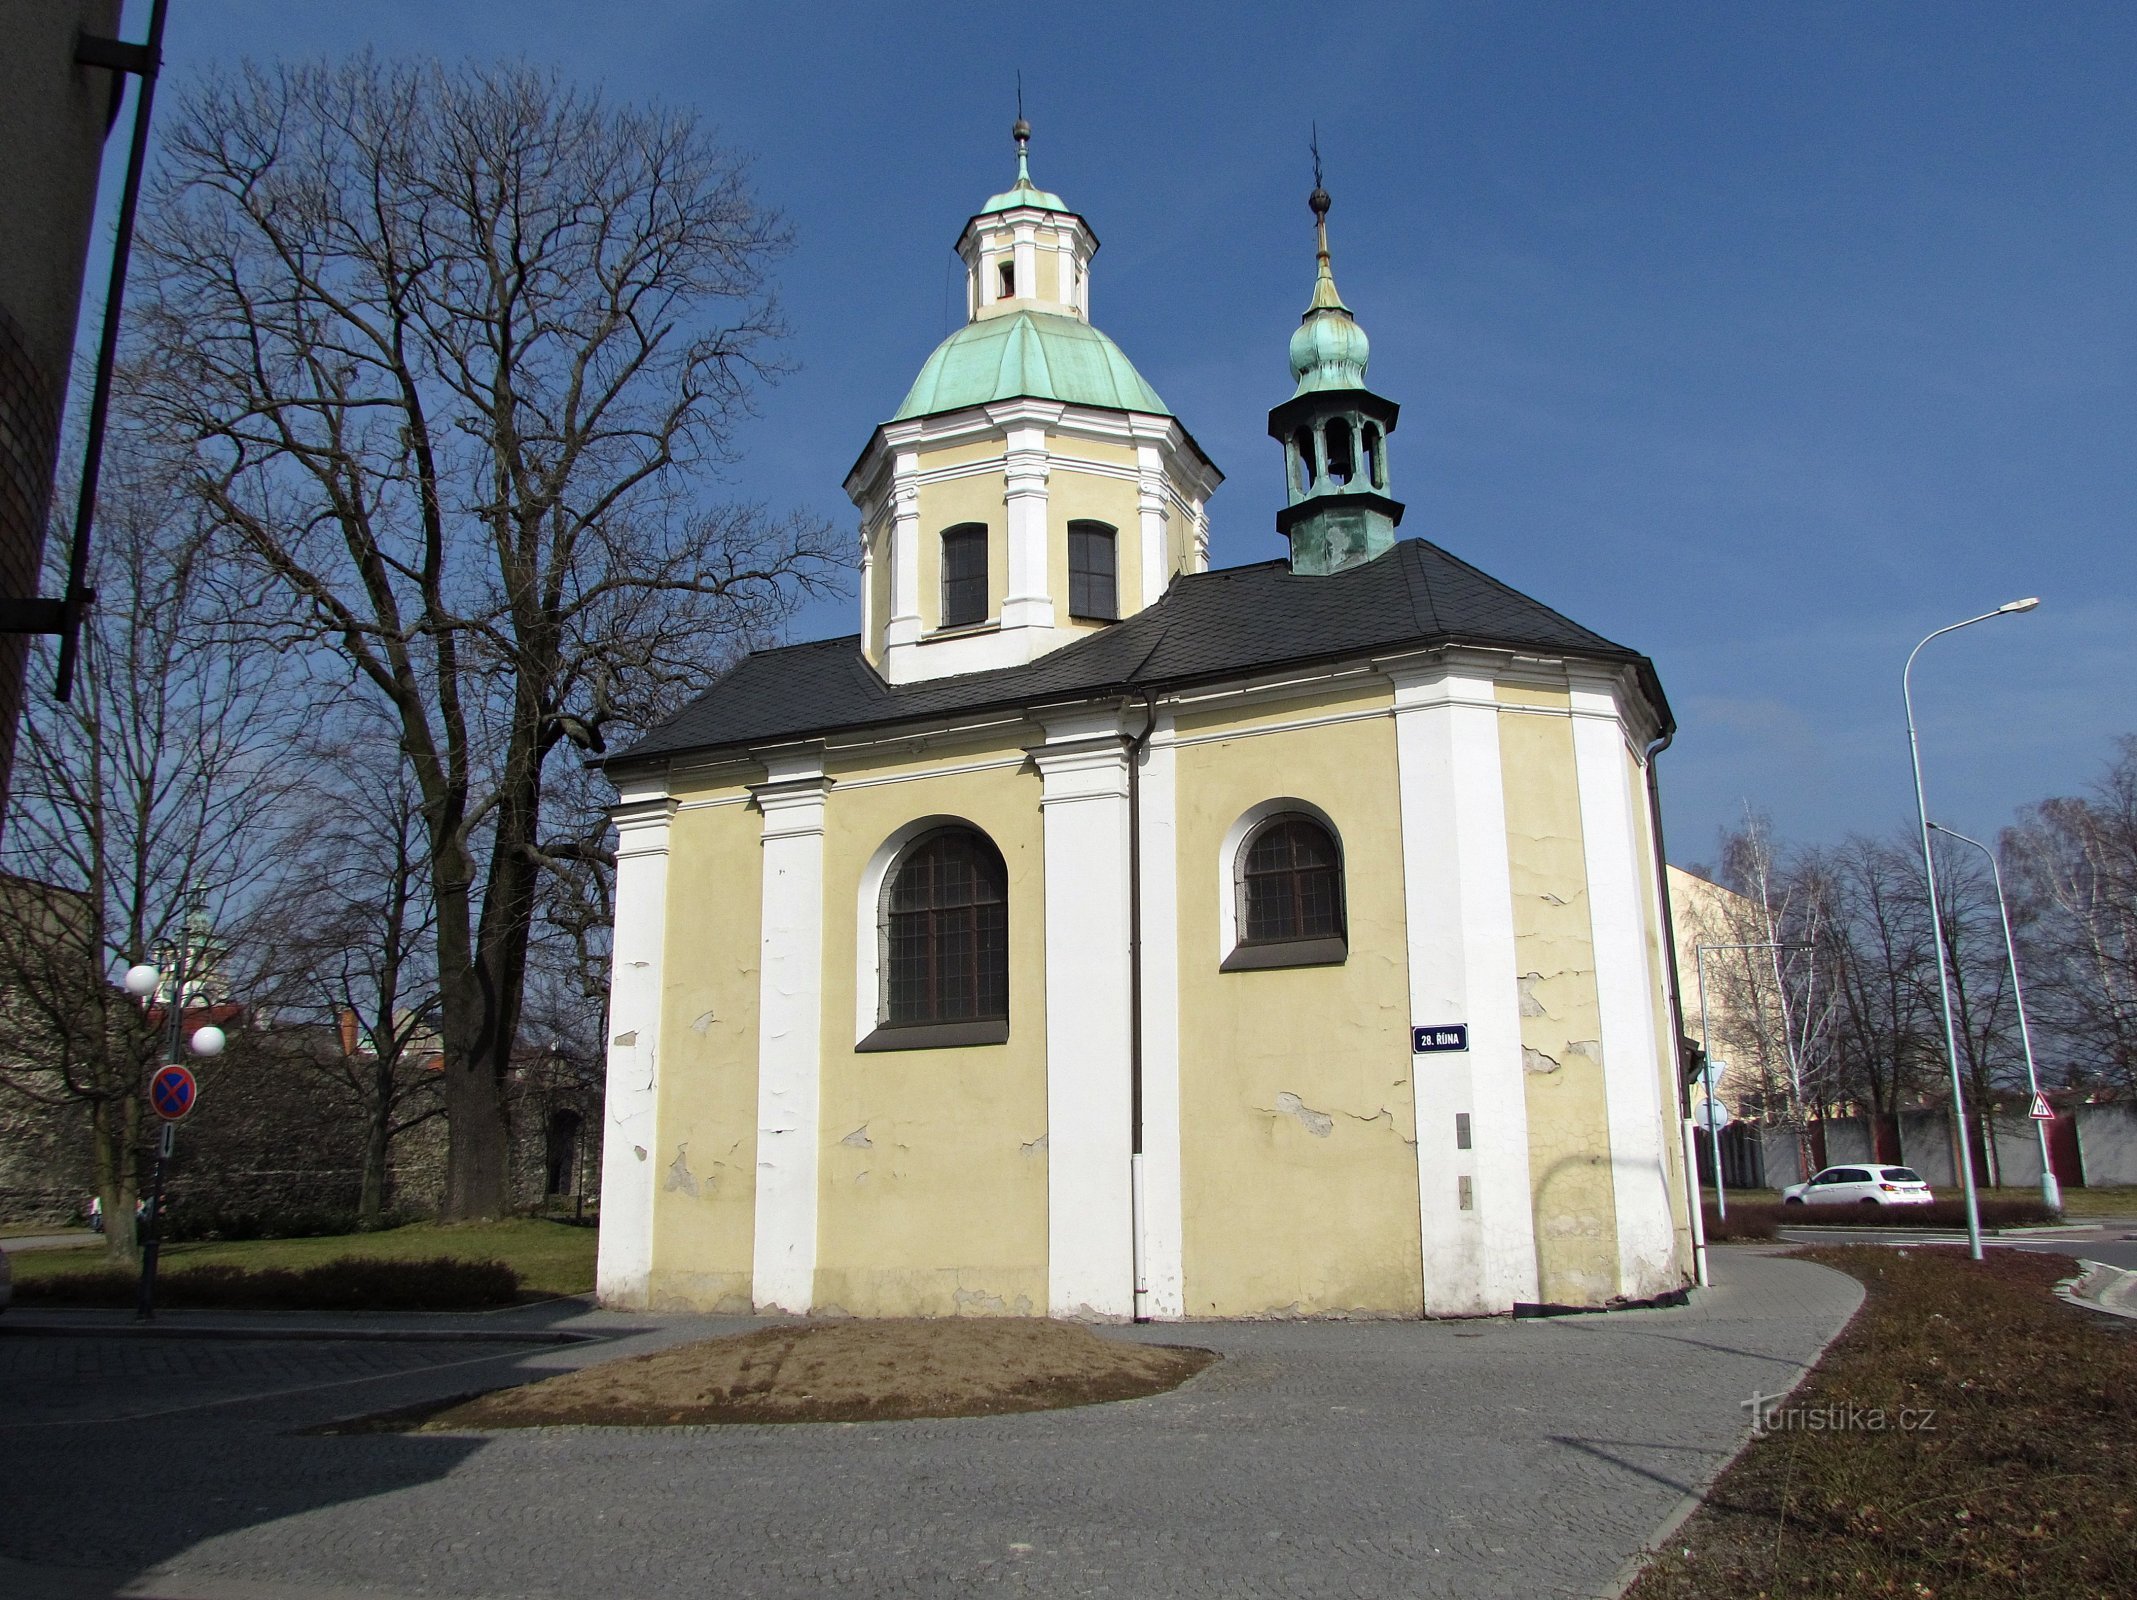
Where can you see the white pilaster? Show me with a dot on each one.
(789, 1030)
(904, 626)
(1150, 512)
(629, 1144)
(1027, 261)
(1625, 988)
(1083, 770)
(1028, 603)
(1459, 899)
(1164, 1234)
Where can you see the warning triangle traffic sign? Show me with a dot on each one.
(2042, 1111)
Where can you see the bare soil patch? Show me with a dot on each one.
(859, 1371)
(1967, 1435)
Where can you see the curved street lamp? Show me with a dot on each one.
(2051, 1190)
(1936, 922)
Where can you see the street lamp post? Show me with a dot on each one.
(2051, 1191)
(1936, 920)
(1712, 1085)
(142, 982)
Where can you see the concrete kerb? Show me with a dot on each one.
(2101, 1287)
(1629, 1573)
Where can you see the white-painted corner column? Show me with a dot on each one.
(1164, 1233)
(904, 623)
(1459, 898)
(1028, 602)
(1025, 253)
(1090, 1260)
(1150, 514)
(1618, 872)
(631, 1105)
(790, 1028)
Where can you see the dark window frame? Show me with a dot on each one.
(955, 915)
(962, 590)
(1093, 596)
(1308, 898)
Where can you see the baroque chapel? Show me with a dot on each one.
(1098, 934)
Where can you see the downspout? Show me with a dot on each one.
(1669, 954)
(1136, 747)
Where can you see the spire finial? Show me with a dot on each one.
(1325, 297)
(1020, 131)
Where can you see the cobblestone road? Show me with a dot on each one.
(1365, 1459)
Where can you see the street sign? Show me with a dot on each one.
(171, 1092)
(1711, 1114)
(2042, 1111)
(1447, 1036)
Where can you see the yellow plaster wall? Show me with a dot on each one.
(1073, 496)
(932, 1198)
(704, 1202)
(1561, 1017)
(1298, 1127)
(944, 506)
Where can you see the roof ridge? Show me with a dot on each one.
(1504, 587)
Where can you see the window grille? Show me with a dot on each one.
(964, 575)
(1094, 583)
(1290, 882)
(946, 932)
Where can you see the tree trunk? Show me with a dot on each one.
(371, 1203)
(478, 1142)
(113, 1125)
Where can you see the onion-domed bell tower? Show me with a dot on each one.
(1334, 432)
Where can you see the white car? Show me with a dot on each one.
(1870, 1185)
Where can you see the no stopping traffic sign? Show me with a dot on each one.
(171, 1092)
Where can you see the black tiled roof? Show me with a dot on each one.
(1229, 623)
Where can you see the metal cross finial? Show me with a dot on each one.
(1313, 143)
(1021, 132)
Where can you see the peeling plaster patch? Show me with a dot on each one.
(639, 1151)
(1382, 1115)
(861, 1177)
(1530, 1005)
(1591, 1048)
(858, 1139)
(1552, 900)
(630, 1038)
(977, 1302)
(703, 1023)
(1317, 1123)
(1036, 1148)
(679, 1174)
(1537, 1061)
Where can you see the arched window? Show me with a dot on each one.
(1302, 447)
(1376, 466)
(1007, 279)
(964, 575)
(1094, 583)
(944, 936)
(1288, 895)
(1340, 465)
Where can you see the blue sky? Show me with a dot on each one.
(1763, 339)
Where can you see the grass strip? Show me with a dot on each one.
(1968, 1435)
(352, 1283)
(550, 1257)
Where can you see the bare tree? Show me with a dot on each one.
(348, 941)
(144, 809)
(2073, 869)
(442, 350)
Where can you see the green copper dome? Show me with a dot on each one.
(1036, 354)
(1329, 351)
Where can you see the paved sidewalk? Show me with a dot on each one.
(1460, 1459)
